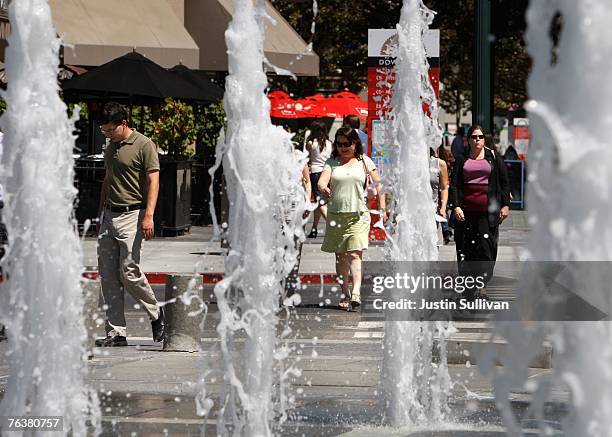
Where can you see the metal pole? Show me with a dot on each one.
(482, 87)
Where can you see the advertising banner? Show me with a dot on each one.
(382, 52)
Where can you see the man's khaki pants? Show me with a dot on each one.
(119, 246)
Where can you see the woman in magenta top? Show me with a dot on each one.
(480, 200)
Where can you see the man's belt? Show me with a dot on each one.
(126, 208)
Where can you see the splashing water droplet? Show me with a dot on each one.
(44, 300)
(410, 132)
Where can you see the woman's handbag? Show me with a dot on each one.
(368, 185)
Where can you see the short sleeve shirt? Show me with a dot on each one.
(346, 183)
(127, 165)
(319, 157)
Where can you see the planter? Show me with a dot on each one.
(201, 179)
(89, 175)
(173, 211)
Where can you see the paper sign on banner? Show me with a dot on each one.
(522, 136)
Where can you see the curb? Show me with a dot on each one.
(159, 278)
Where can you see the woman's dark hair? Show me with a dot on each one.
(489, 142)
(445, 155)
(351, 135)
(113, 113)
(318, 131)
(476, 127)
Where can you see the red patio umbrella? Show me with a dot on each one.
(342, 104)
(294, 109)
(279, 95)
(316, 98)
(281, 105)
(312, 106)
(283, 109)
(308, 108)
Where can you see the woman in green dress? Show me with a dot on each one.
(348, 173)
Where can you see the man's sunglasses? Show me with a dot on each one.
(343, 144)
(477, 137)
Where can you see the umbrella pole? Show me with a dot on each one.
(142, 110)
(130, 114)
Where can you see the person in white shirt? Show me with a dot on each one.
(319, 149)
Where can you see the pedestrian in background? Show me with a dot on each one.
(511, 154)
(348, 173)
(480, 199)
(459, 146)
(438, 179)
(447, 227)
(490, 143)
(353, 122)
(291, 201)
(319, 149)
(127, 203)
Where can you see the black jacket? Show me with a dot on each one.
(499, 186)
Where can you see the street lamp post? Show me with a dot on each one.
(482, 87)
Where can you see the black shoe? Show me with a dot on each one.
(2, 333)
(355, 303)
(482, 294)
(447, 237)
(116, 341)
(159, 326)
(313, 233)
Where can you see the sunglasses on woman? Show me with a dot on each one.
(477, 137)
(343, 144)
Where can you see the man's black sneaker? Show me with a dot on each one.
(159, 326)
(116, 341)
(2, 333)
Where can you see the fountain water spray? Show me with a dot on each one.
(414, 388)
(263, 182)
(569, 197)
(42, 301)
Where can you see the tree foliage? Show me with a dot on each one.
(341, 38)
(209, 122)
(456, 24)
(512, 63)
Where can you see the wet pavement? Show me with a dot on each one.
(145, 391)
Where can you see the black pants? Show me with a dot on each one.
(476, 245)
(292, 281)
(3, 239)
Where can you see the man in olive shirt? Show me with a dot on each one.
(127, 203)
